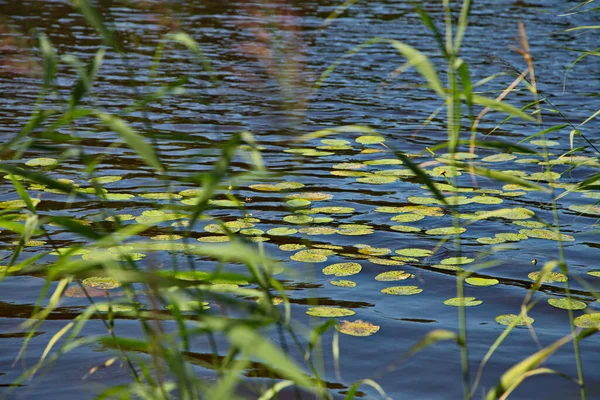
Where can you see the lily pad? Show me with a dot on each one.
(463, 302)
(486, 200)
(160, 196)
(42, 162)
(384, 161)
(594, 273)
(587, 320)
(457, 260)
(310, 196)
(393, 276)
(547, 234)
(567, 304)
(282, 231)
(355, 230)
(445, 231)
(550, 277)
(402, 290)
(369, 139)
(377, 179)
(225, 203)
(318, 230)
(329, 312)
(298, 202)
(101, 180)
(405, 228)
(529, 224)
(333, 210)
(214, 239)
(343, 269)
(104, 283)
(385, 261)
(119, 196)
(309, 256)
(508, 319)
(358, 328)
(413, 252)
(343, 283)
(407, 217)
(585, 209)
(190, 192)
(298, 219)
(291, 247)
(477, 281)
(374, 251)
(499, 158)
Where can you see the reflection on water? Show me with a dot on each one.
(352, 201)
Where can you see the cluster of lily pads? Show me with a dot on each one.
(418, 215)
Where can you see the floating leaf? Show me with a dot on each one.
(414, 252)
(252, 232)
(490, 240)
(333, 210)
(546, 234)
(462, 302)
(529, 224)
(335, 142)
(567, 304)
(384, 261)
(594, 273)
(343, 283)
(191, 192)
(101, 180)
(160, 196)
(298, 219)
(444, 171)
(118, 196)
(310, 196)
(393, 276)
(282, 231)
(369, 139)
(511, 237)
(584, 209)
(476, 281)
(225, 203)
(343, 269)
(422, 200)
(499, 158)
(320, 230)
(329, 312)
(42, 162)
(291, 247)
(405, 228)
(445, 231)
(358, 328)
(377, 179)
(549, 277)
(402, 290)
(298, 202)
(486, 200)
(457, 260)
(374, 251)
(587, 320)
(309, 256)
(547, 143)
(104, 283)
(407, 217)
(447, 267)
(459, 156)
(508, 319)
(384, 161)
(214, 239)
(166, 237)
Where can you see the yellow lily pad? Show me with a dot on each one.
(358, 328)
(329, 312)
(343, 269)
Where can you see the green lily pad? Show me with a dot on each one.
(369, 139)
(195, 192)
(516, 213)
(355, 230)
(335, 142)
(547, 143)
(529, 224)
(329, 312)
(407, 217)
(343, 283)
(17, 203)
(463, 302)
(395, 172)
(457, 260)
(508, 319)
(444, 171)
(291, 247)
(318, 230)
(343, 269)
(346, 173)
(544, 176)
(298, 202)
(486, 200)
(594, 273)
(567, 304)
(333, 210)
(282, 231)
(101, 180)
(373, 251)
(459, 155)
(104, 283)
(384, 161)
(547, 234)
(422, 200)
(358, 328)
(42, 162)
(214, 239)
(225, 203)
(587, 320)
(402, 290)
(445, 231)
(309, 256)
(119, 196)
(511, 237)
(490, 240)
(476, 281)
(166, 237)
(550, 277)
(116, 308)
(252, 232)
(447, 267)
(585, 209)
(393, 276)
(377, 179)
(385, 261)
(499, 158)
(414, 252)
(349, 166)
(405, 228)
(328, 247)
(310, 196)
(160, 196)
(298, 219)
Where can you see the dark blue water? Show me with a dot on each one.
(269, 95)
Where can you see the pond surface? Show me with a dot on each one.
(358, 177)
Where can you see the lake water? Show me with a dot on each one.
(363, 91)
